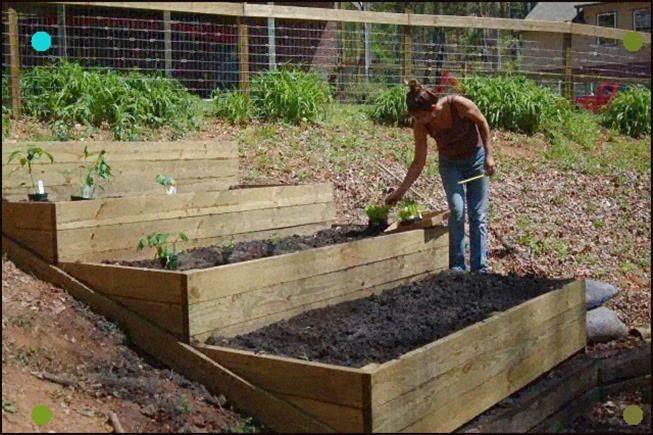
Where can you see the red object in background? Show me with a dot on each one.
(446, 80)
(604, 94)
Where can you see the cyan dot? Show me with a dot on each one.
(41, 41)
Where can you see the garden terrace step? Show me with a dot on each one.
(235, 298)
(196, 165)
(108, 228)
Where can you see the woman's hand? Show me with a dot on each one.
(489, 165)
(394, 197)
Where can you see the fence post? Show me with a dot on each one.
(243, 53)
(14, 63)
(272, 42)
(167, 43)
(406, 53)
(566, 55)
(61, 30)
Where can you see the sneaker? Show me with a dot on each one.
(483, 271)
(457, 269)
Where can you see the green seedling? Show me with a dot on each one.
(168, 182)
(96, 173)
(166, 247)
(377, 213)
(27, 158)
(409, 211)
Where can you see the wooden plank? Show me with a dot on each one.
(344, 419)
(251, 325)
(243, 277)
(413, 369)
(272, 301)
(14, 63)
(32, 224)
(506, 352)
(322, 382)
(243, 53)
(455, 410)
(129, 253)
(136, 283)
(272, 411)
(355, 16)
(107, 211)
(167, 316)
(74, 242)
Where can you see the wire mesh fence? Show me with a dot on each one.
(202, 51)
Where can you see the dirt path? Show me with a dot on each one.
(46, 332)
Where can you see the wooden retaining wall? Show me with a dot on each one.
(436, 388)
(109, 228)
(237, 298)
(196, 165)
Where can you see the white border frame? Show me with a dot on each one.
(598, 39)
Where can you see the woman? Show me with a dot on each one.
(462, 135)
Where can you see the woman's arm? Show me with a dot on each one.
(419, 160)
(467, 108)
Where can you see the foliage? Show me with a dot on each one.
(65, 94)
(5, 95)
(630, 112)
(516, 103)
(409, 210)
(165, 180)
(377, 213)
(96, 173)
(389, 106)
(28, 157)
(166, 247)
(236, 107)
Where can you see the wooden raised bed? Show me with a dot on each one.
(196, 165)
(109, 228)
(435, 388)
(235, 298)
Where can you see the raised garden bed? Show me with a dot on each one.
(109, 228)
(240, 297)
(436, 387)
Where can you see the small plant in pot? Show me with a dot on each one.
(166, 247)
(27, 158)
(95, 174)
(377, 216)
(168, 182)
(409, 212)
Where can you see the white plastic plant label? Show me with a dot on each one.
(86, 191)
(39, 187)
(172, 190)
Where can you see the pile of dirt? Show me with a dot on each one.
(216, 255)
(382, 327)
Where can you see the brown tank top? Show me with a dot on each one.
(461, 140)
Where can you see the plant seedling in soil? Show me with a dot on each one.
(27, 158)
(166, 247)
(96, 173)
(377, 216)
(168, 182)
(410, 211)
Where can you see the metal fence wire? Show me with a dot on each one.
(202, 51)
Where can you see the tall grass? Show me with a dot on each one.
(389, 106)
(516, 103)
(65, 94)
(630, 112)
(286, 94)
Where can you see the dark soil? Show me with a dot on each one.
(203, 257)
(382, 327)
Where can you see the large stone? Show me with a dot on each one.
(597, 293)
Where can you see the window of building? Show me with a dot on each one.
(642, 20)
(606, 19)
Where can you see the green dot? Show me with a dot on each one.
(633, 415)
(41, 415)
(633, 41)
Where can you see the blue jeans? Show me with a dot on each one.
(472, 196)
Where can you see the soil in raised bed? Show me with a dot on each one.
(216, 255)
(381, 327)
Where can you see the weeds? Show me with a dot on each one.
(377, 214)
(409, 211)
(236, 107)
(630, 112)
(389, 107)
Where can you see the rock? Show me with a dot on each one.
(597, 293)
(604, 325)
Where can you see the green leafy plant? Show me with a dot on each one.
(389, 107)
(95, 173)
(236, 107)
(165, 245)
(409, 211)
(27, 158)
(377, 213)
(630, 112)
(165, 180)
